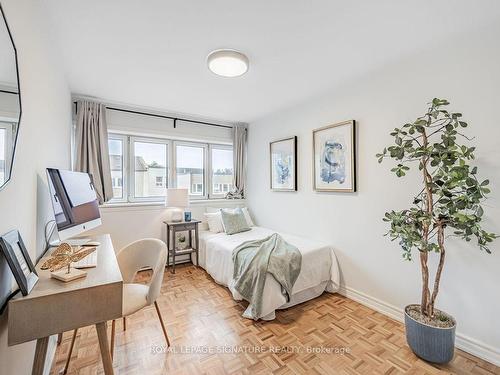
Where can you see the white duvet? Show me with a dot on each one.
(319, 270)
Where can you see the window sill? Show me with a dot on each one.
(161, 205)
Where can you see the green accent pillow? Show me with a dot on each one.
(234, 222)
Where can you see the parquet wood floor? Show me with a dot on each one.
(204, 324)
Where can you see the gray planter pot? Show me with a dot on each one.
(432, 344)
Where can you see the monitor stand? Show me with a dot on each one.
(72, 242)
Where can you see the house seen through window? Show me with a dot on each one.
(222, 170)
(190, 173)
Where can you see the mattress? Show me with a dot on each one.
(319, 271)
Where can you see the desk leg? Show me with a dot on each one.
(104, 346)
(40, 354)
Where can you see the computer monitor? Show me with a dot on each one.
(74, 202)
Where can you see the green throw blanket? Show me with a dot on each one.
(253, 260)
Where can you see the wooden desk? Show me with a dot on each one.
(53, 306)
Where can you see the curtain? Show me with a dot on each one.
(91, 146)
(239, 161)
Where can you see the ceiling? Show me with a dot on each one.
(153, 52)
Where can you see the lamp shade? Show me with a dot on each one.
(177, 198)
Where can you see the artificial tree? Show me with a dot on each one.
(451, 195)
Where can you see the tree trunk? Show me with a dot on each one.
(425, 303)
(442, 253)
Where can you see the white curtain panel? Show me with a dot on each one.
(239, 161)
(91, 146)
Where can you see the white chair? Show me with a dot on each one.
(149, 252)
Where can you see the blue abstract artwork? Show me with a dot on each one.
(333, 162)
(283, 170)
(283, 166)
(334, 157)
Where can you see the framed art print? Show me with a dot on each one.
(334, 157)
(19, 261)
(283, 160)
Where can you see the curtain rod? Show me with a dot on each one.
(164, 116)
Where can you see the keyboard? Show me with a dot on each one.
(88, 262)
(77, 241)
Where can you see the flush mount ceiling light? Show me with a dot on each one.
(227, 63)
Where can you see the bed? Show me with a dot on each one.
(319, 270)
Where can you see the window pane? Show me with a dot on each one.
(222, 170)
(3, 135)
(150, 169)
(189, 169)
(116, 163)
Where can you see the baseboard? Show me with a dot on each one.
(462, 342)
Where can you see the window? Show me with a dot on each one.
(117, 182)
(222, 170)
(140, 168)
(190, 168)
(116, 148)
(197, 189)
(149, 162)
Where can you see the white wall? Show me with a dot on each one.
(466, 72)
(43, 141)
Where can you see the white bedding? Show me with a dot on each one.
(319, 270)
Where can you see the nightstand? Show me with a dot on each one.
(172, 245)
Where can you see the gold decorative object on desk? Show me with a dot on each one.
(62, 257)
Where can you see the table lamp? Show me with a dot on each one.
(176, 200)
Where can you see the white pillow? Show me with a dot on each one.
(247, 216)
(214, 221)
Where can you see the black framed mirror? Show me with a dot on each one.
(10, 100)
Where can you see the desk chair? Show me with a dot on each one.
(143, 253)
